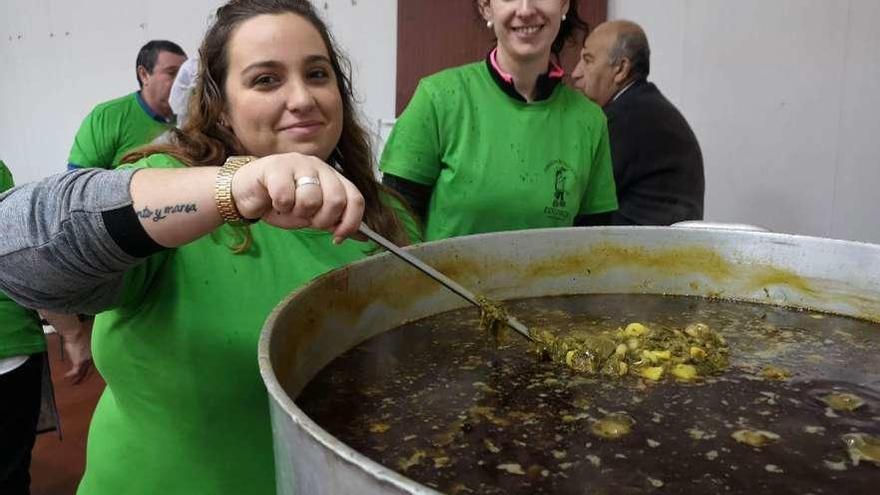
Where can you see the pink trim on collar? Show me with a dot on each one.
(556, 71)
(493, 57)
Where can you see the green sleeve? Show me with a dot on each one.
(413, 149)
(410, 225)
(94, 144)
(20, 331)
(601, 194)
(6, 181)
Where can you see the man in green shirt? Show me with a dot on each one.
(115, 127)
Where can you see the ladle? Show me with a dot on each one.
(436, 275)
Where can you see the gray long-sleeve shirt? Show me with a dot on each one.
(55, 250)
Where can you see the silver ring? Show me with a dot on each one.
(307, 181)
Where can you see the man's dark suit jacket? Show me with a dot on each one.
(658, 166)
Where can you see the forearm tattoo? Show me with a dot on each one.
(163, 212)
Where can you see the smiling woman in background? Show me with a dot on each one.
(501, 144)
(185, 410)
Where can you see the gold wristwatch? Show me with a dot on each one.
(223, 189)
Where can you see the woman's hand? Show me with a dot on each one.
(281, 190)
(177, 206)
(76, 341)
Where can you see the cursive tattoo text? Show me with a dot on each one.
(161, 213)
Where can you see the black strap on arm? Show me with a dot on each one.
(417, 195)
(593, 220)
(126, 230)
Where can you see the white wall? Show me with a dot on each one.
(783, 96)
(61, 57)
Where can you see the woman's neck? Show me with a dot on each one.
(525, 72)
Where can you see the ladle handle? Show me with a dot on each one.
(436, 275)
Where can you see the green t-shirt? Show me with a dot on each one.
(111, 130)
(20, 331)
(185, 410)
(496, 163)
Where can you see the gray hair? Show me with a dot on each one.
(632, 44)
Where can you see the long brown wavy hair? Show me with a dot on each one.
(203, 141)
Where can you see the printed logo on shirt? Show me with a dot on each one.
(562, 177)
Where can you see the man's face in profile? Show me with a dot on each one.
(157, 84)
(594, 75)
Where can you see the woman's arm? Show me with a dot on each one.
(176, 206)
(57, 253)
(55, 243)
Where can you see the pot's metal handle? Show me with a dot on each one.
(701, 225)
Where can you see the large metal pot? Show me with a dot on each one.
(345, 307)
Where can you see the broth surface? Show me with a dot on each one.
(436, 402)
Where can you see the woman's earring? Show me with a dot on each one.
(563, 17)
(489, 24)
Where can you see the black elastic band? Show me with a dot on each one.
(126, 230)
(593, 220)
(417, 195)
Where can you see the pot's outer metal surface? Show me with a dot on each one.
(345, 307)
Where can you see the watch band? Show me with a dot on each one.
(223, 189)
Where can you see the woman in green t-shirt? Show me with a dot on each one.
(184, 296)
(500, 144)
